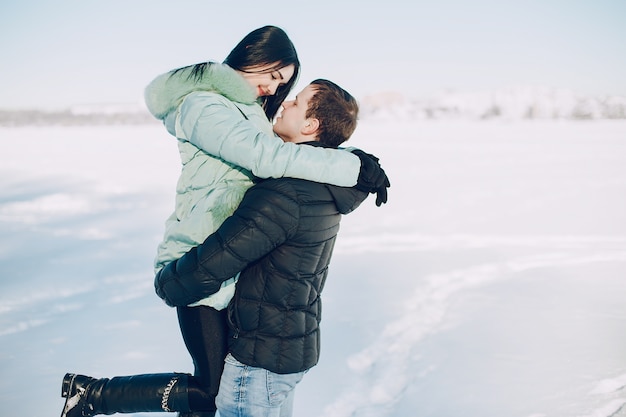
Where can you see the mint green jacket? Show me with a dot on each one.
(224, 140)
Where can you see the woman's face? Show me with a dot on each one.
(265, 81)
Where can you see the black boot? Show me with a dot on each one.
(197, 414)
(86, 396)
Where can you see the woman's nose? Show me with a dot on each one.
(273, 87)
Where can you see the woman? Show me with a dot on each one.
(226, 110)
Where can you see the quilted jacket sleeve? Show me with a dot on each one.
(265, 218)
(218, 130)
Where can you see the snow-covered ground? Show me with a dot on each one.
(491, 285)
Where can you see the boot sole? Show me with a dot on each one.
(68, 381)
(67, 388)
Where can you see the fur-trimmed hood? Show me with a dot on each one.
(165, 93)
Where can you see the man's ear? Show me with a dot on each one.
(311, 126)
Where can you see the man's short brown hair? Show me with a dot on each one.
(336, 110)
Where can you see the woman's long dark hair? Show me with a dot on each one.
(261, 47)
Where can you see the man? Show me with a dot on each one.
(281, 238)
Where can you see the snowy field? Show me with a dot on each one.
(493, 284)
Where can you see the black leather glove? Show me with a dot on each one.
(372, 178)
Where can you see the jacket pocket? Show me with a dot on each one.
(233, 319)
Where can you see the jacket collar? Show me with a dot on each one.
(347, 199)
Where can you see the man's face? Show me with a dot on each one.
(291, 122)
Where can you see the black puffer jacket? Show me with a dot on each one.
(281, 237)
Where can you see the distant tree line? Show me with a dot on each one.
(16, 118)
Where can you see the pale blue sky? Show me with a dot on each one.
(57, 53)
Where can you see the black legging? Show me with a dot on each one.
(205, 333)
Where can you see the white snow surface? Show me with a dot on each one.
(492, 284)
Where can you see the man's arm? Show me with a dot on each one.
(265, 218)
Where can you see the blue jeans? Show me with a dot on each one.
(246, 391)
